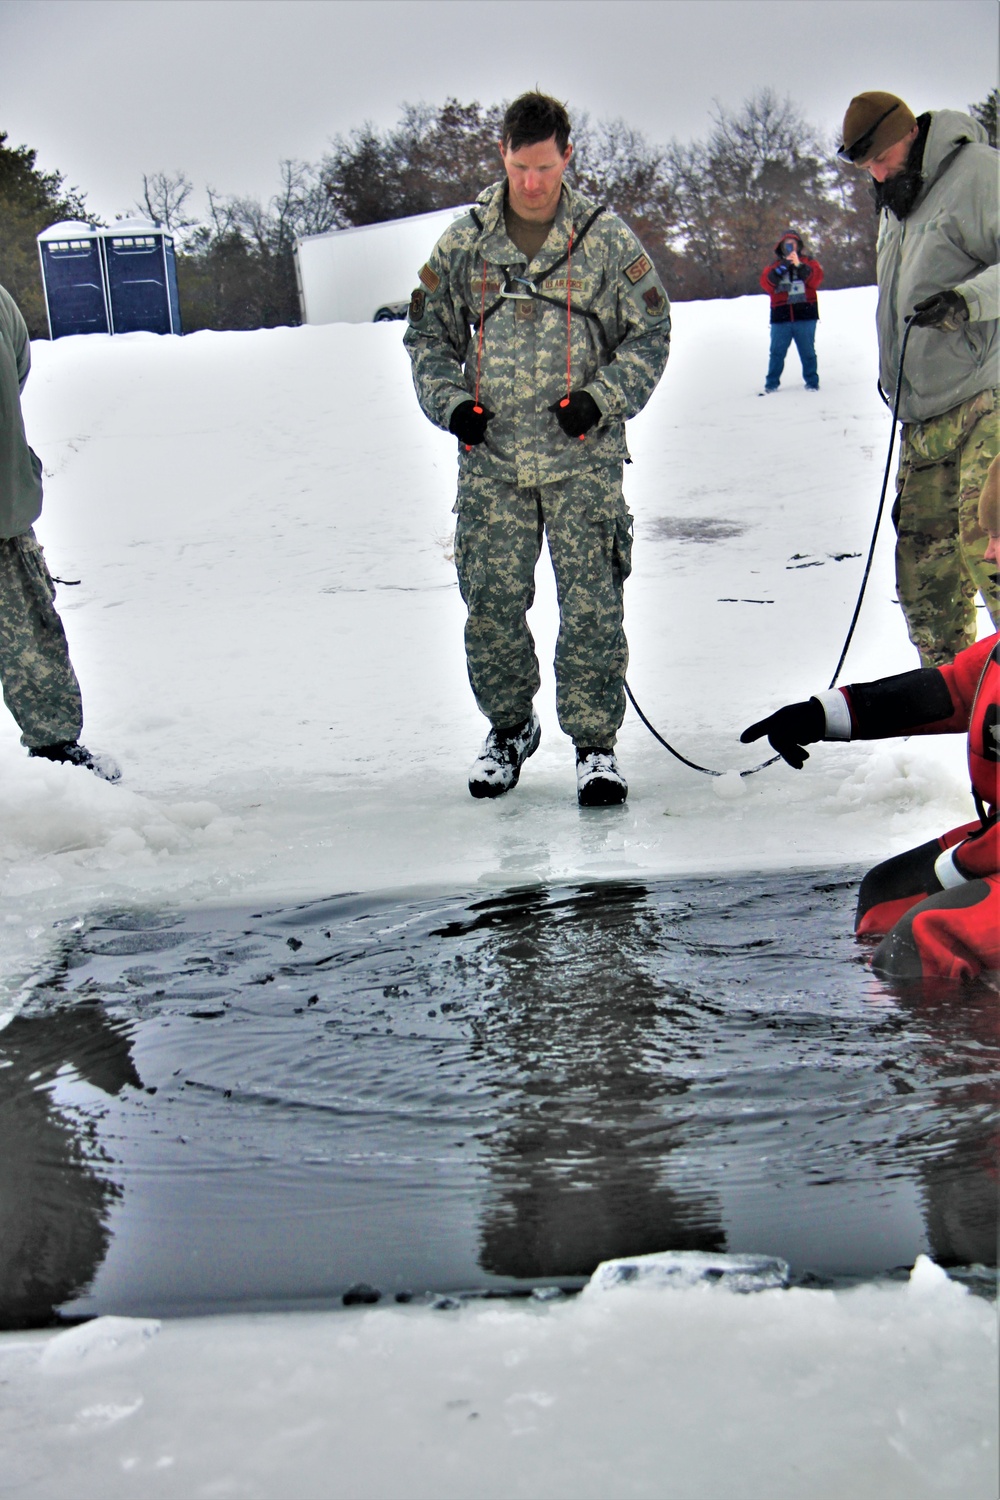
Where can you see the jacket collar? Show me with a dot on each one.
(949, 130)
(573, 212)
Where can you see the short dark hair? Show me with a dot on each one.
(532, 118)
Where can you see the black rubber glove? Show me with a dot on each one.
(946, 310)
(577, 413)
(789, 729)
(468, 423)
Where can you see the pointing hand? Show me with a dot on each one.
(789, 729)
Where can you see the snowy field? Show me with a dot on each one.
(269, 638)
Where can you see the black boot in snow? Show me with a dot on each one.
(599, 783)
(72, 753)
(499, 763)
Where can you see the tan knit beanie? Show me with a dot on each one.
(874, 122)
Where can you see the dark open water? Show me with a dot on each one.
(210, 1109)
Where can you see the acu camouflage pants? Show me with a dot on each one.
(498, 541)
(939, 545)
(39, 684)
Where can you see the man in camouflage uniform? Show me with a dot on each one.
(39, 684)
(538, 328)
(936, 186)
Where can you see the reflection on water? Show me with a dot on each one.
(576, 1001)
(223, 1108)
(53, 1195)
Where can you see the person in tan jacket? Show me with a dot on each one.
(937, 186)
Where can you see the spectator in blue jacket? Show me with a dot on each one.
(792, 281)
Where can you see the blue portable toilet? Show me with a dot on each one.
(73, 279)
(141, 277)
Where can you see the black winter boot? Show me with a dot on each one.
(499, 763)
(599, 783)
(72, 753)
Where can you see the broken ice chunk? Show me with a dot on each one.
(688, 1268)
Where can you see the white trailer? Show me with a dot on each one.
(366, 274)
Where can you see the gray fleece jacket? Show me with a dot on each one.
(949, 240)
(20, 469)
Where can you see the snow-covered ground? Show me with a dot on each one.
(884, 1393)
(269, 638)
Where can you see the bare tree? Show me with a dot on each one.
(761, 169)
(301, 206)
(164, 195)
(701, 270)
(615, 164)
(438, 156)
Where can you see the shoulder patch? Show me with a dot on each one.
(417, 305)
(430, 279)
(638, 269)
(655, 301)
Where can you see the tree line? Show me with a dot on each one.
(708, 211)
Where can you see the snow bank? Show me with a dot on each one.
(882, 1393)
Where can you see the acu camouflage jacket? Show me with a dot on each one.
(20, 469)
(618, 336)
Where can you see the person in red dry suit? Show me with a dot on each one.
(936, 907)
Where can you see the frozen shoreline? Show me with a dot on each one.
(883, 1392)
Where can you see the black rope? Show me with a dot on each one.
(881, 504)
(541, 275)
(683, 758)
(705, 770)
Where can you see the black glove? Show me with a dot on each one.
(576, 413)
(947, 310)
(468, 423)
(789, 729)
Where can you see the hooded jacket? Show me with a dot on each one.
(617, 338)
(947, 241)
(792, 289)
(20, 469)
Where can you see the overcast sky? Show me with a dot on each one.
(223, 89)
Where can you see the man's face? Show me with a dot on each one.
(891, 161)
(534, 175)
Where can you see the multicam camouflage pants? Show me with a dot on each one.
(497, 544)
(939, 544)
(39, 684)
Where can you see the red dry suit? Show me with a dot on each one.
(939, 904)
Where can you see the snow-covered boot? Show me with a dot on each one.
(599, 783)
(72, 753)
(504, 752)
